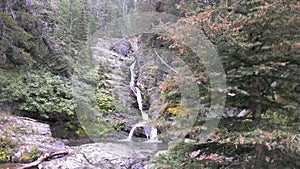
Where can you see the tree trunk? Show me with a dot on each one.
(1, 30)
(256, 106)
(259, 156)
(256, 109)
(123, 5)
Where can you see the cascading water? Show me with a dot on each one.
(139, 98)
(150, 132)
(137, 92)
(132, 130)
(132, 77)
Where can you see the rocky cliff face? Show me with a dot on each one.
(115, 56)
(149, 78)
(115, 68)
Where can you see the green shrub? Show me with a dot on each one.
(117, 124)
(37, 92)
(105, 102)
(7, 146)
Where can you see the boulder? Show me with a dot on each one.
(103, 155)
(29, 137)
(122, 48)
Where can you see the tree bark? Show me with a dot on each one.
(256, 106)
(257, 113)
(257, 110)
(259, 156)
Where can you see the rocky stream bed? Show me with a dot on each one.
(54, 153)
(36, 148)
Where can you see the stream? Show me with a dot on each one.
(100, 153)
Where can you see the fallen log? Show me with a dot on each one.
(46, 156)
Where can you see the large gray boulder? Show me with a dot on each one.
(104, 156)
(29, 137)
(122, 48)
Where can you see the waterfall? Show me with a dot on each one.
(137, 92)
(132, 130)
(150, 132)
(139, 98)
(132, 74)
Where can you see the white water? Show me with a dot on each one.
(151, 132)
(139, 98)
(132, 74)
(137, 92)
(153, 135)
(152, 138)
(132, 130)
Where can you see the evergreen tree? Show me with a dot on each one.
(101, 13)
(82, 34)
(258, 42)
(26, 35)
(15, 32)
(68, 12)
(259, 45)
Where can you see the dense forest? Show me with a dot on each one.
(43, 42)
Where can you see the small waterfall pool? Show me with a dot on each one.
(137, 142)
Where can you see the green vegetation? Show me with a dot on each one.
(7, 144)
(257, 41)
(72, 21)
(39, 93)
(117, 124)
(215, 155)
(105, 102)
(26, 36)
(31, 155)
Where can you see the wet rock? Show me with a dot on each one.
(150, 76)
(122, 48)
(103, 155)
(29, 137)
(33, 127)
(117, 79)
(116, 70)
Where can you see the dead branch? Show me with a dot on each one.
(165, 62)
(46, 156)
(25, 118)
